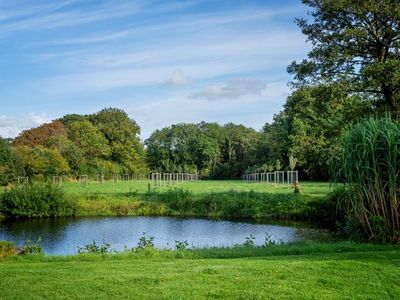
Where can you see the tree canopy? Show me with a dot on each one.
(356, 42)
(207, 148)
(104, 143)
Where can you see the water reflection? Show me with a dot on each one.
(63, 236)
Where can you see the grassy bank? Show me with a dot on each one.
(215, 199)
(211, 199)
(301, 270)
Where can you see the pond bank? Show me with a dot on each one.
(224, 205)
(40, 201)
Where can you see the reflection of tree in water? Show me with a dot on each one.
(63, 236)
(51, 231)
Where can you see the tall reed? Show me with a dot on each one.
(370, 167)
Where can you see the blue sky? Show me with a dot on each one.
(163, 62)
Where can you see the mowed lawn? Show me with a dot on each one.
(355, 275)
(197, 187)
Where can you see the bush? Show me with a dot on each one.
(181, 245)
(243, 205)
(33, 247)
(6, 249)
(145, 243)
(177, 199)
(248, 243)
(36, 200)
(94, 248)
(327, 211)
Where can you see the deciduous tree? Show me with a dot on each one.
(357, 42)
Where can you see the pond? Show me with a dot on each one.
(64, 236)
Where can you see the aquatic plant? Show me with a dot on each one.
(95, 248)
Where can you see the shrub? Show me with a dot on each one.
(145, 243)
(181, 245)
(248, 243)
(36, 200)
(177, 199)
(94, 248)
(33, 247)
(327, 210)
(7, 249)
(243, 205)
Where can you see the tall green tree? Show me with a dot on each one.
(318, 117)
(237, 148)
(89, 139)
(273, 143)
(122, 135)
(40, 162)
(356, 42)
(8, 163)
(174, 148)
(208, 148)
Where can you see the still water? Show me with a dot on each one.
(64, 236)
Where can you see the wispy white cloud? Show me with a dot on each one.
(232, 89)
(203, 57)
(15, 10)
(54, 16)
(252, 110)
(10, 127)
(177, 78)
(183, 24)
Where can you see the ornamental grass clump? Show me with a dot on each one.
(370, 169)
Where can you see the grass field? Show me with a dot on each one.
(311, 271)
(312, 189)
(215, 199)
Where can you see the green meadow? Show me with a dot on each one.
(312, 189)
(203, 198)
(294, 271)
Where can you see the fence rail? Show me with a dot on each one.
(276, 177)
(159, 180)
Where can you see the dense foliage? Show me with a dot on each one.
(104, 143)
(207, 148)
(36, 200)
(8, 163)
(307, 130)
(370, 167)
(356, 42)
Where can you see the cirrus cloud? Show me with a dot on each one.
(232, 89)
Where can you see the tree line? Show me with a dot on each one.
(105, 143)
(351, 72)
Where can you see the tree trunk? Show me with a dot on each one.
(390, 101)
